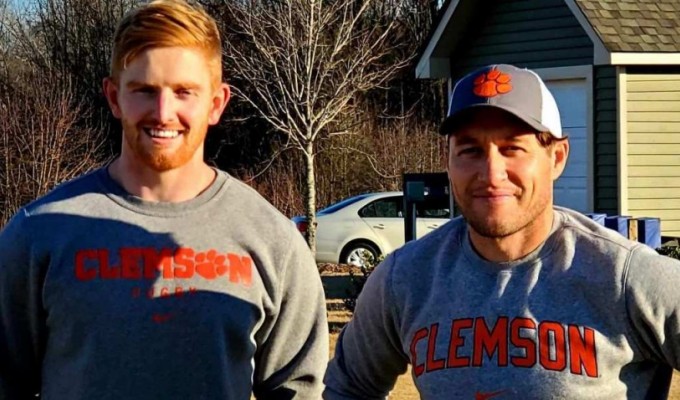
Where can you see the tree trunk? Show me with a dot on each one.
(310, 197)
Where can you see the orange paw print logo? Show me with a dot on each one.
(492, 84)
(211, 265)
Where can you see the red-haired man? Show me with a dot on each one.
(157, 276)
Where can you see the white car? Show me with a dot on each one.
(369, 224)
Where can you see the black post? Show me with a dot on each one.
(418, 187)
(414, 192)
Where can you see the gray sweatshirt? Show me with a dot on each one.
(588, 315)
(106, 296)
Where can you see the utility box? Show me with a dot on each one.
(423, 192)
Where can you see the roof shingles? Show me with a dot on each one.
(635, 25)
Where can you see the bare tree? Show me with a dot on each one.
(354, 164)
(304, 63)
(71, 37)
(70, 41)
(41, 145)
(4, 14)
(6, 20)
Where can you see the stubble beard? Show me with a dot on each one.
(507, 226)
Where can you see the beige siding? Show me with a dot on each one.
(653, 149)
(645, 149)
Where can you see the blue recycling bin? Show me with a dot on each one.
(618, 223)
(649, 231)
(597, 217)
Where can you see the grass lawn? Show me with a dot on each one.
(405, 390)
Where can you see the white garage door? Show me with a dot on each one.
(571, 190)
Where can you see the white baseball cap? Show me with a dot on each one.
(518, 91)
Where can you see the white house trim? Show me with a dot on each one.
(645, 58)
(601, 55)
(427, 66)
(622, 139)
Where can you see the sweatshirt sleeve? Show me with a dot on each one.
(293, 352)
(653, 305)
(368, 356)
(22, 320)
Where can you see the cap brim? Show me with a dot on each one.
(450, 123)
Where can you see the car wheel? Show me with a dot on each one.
(360, 254)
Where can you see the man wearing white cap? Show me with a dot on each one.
(517, 298)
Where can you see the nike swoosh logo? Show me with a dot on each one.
(486, 396)
(161, 318)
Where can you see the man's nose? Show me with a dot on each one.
(165, 106)
(493, 168)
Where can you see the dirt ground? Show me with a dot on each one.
(675, 387)
(406, 390)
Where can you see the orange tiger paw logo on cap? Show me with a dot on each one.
(492, 84)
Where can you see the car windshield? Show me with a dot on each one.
(342, 204)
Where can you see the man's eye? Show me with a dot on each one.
(469, 151)
(145, 90)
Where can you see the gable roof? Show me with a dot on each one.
(635, 25)
(623, 32)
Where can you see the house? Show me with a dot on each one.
(614, 69)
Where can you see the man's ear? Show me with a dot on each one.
(220, 99)
(560, 154)
(110, 88)
(447, 150)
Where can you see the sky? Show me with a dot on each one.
(19, 3)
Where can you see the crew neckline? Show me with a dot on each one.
(542, 251)
(119, 195)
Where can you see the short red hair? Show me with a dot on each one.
(166, 23)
